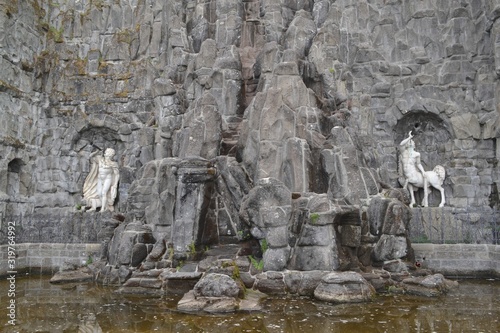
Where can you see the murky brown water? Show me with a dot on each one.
(42, 307)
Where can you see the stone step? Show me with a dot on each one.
(144, 282)
(224, 251)
(231, 135)
(189, 267)
(176, 275)
(179, 283)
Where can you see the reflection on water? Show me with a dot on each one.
(42, 307)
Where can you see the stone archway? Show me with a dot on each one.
(15, 185)
(431, 134)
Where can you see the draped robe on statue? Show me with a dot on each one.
(103, 175)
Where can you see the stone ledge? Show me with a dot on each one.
(181, 275)
(460, 260)
(47, 257)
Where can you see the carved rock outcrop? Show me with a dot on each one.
(345, 287)
(271, 124)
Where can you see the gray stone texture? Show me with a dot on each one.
(48, 258)
(216, 285)
(387, 227)
(232, 118)
(390, 247)
(465, 260)
(344, 287)
(432, 285)
(129, 244)
(70, 228)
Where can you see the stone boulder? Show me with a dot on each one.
(388, 220)
(216, 285)
(271, 282)
(395, 266)
(429, 286)
(152, 194)
(267, 212)
(390, 247)
(190, 303)
(81, 275)
(110, 275)
(300, 33)
(316, 244)
(130, 244)
(267, 193)
(296, 231)
(344, 287)
(217, 293)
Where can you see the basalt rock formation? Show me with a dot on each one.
(270, 124)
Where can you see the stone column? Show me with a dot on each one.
(194, 186)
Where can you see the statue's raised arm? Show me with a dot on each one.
(405, 141)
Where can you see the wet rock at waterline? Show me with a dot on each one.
(80, 275)
(273, 124)
(344, 287)
(218, 293)
(429, 286)
(190, 303)
(216, 285)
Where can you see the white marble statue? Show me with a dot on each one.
(416, 176)
(101, 185)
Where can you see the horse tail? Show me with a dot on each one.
(440, 172)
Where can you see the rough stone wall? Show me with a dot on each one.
(146, 77)
(426, 67)
(53, 228)
(460, 260)
(48, 258)
(20, 100)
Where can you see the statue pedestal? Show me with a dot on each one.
(449, 225)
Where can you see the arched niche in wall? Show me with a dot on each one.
(101, 137)
(16, 185)
(93, 138)
(431, 133)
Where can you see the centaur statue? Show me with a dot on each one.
(416, 176)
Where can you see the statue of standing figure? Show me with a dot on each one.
(101, 185)
(416, 176)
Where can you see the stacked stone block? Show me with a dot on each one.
(316, 95)
(123, 74)
(48, 258)
(460, 260)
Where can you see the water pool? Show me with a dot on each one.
(41, 307)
